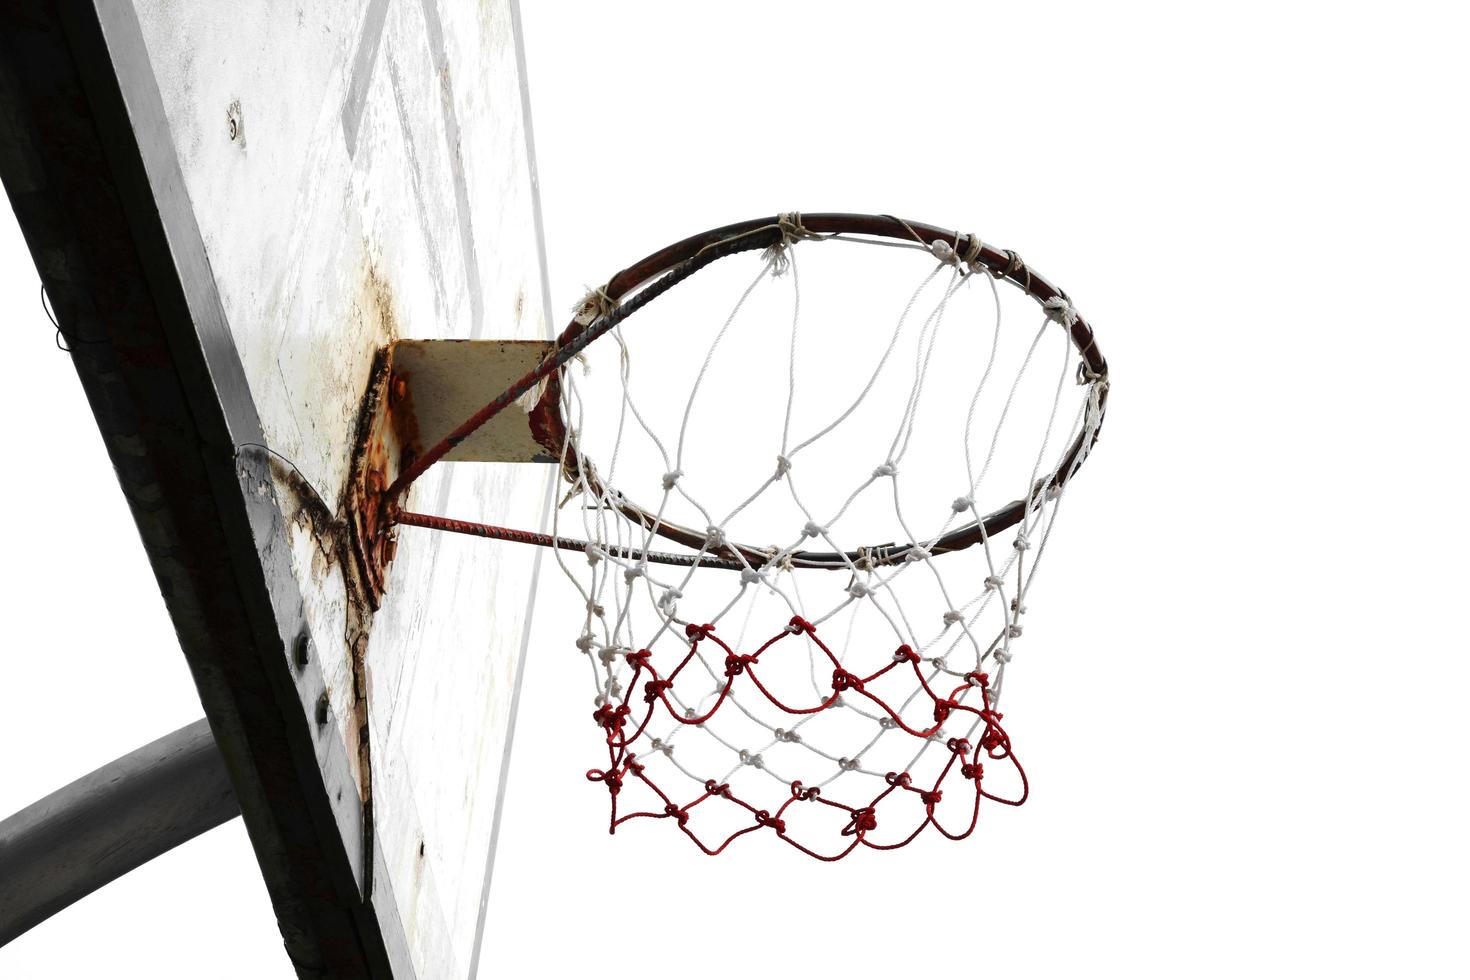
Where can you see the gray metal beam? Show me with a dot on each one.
(69, 844)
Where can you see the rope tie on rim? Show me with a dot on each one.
(971, 256)
(792, 231)
(1058, 310)
(595, 305)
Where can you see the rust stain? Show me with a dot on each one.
(547, 426)
(375, 459)
(401, 418)
(366, 540)
(364, 505)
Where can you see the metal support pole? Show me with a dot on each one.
(67, 845)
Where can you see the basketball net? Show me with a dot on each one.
(821, 689)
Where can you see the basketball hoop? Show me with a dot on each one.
(866, 709)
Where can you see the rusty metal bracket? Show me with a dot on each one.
(420, 390)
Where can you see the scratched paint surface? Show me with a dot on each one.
(360, 172)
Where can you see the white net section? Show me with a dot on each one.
(843, 413)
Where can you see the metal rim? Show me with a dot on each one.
(645, 280)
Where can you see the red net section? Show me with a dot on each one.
(870, 821)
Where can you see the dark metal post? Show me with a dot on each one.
(67, 845)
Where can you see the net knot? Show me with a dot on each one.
(1013, 630)
(931, 797)
(671, 478)
(858, 589)
(848, 765)
(783, 466)
(993, 582)
(608, 654)
(736, 663)
(677, 812)
(917, 553)
(863, 821)
(906, 654)
(972, 770)
(595, 608)
(813, 530)
(898, 779)
(942, 708)
(953, 616)
(696, 631)
(797, 626)
(750, 576)
(716, 789)
(804, 793)
(636, 572)
(763, 818)
(585, 642)
(1022, 543)
(1058, 310)
(977, 679)
(888, 468)
(654, 690)
(782, 735)
(610, 718)
(611, 778)
(843, 680)
(962, 504)
(668, 599)
(1002, 656)
(594, 554)
(714, 537)
(959, 746)
(994, 736)
(752, 759)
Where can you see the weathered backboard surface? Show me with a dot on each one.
(234, 206)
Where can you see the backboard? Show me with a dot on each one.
(234, 208)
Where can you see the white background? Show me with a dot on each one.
(1241, 690)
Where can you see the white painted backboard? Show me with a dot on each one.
(362, 172)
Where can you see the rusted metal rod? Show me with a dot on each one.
(474, 529)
